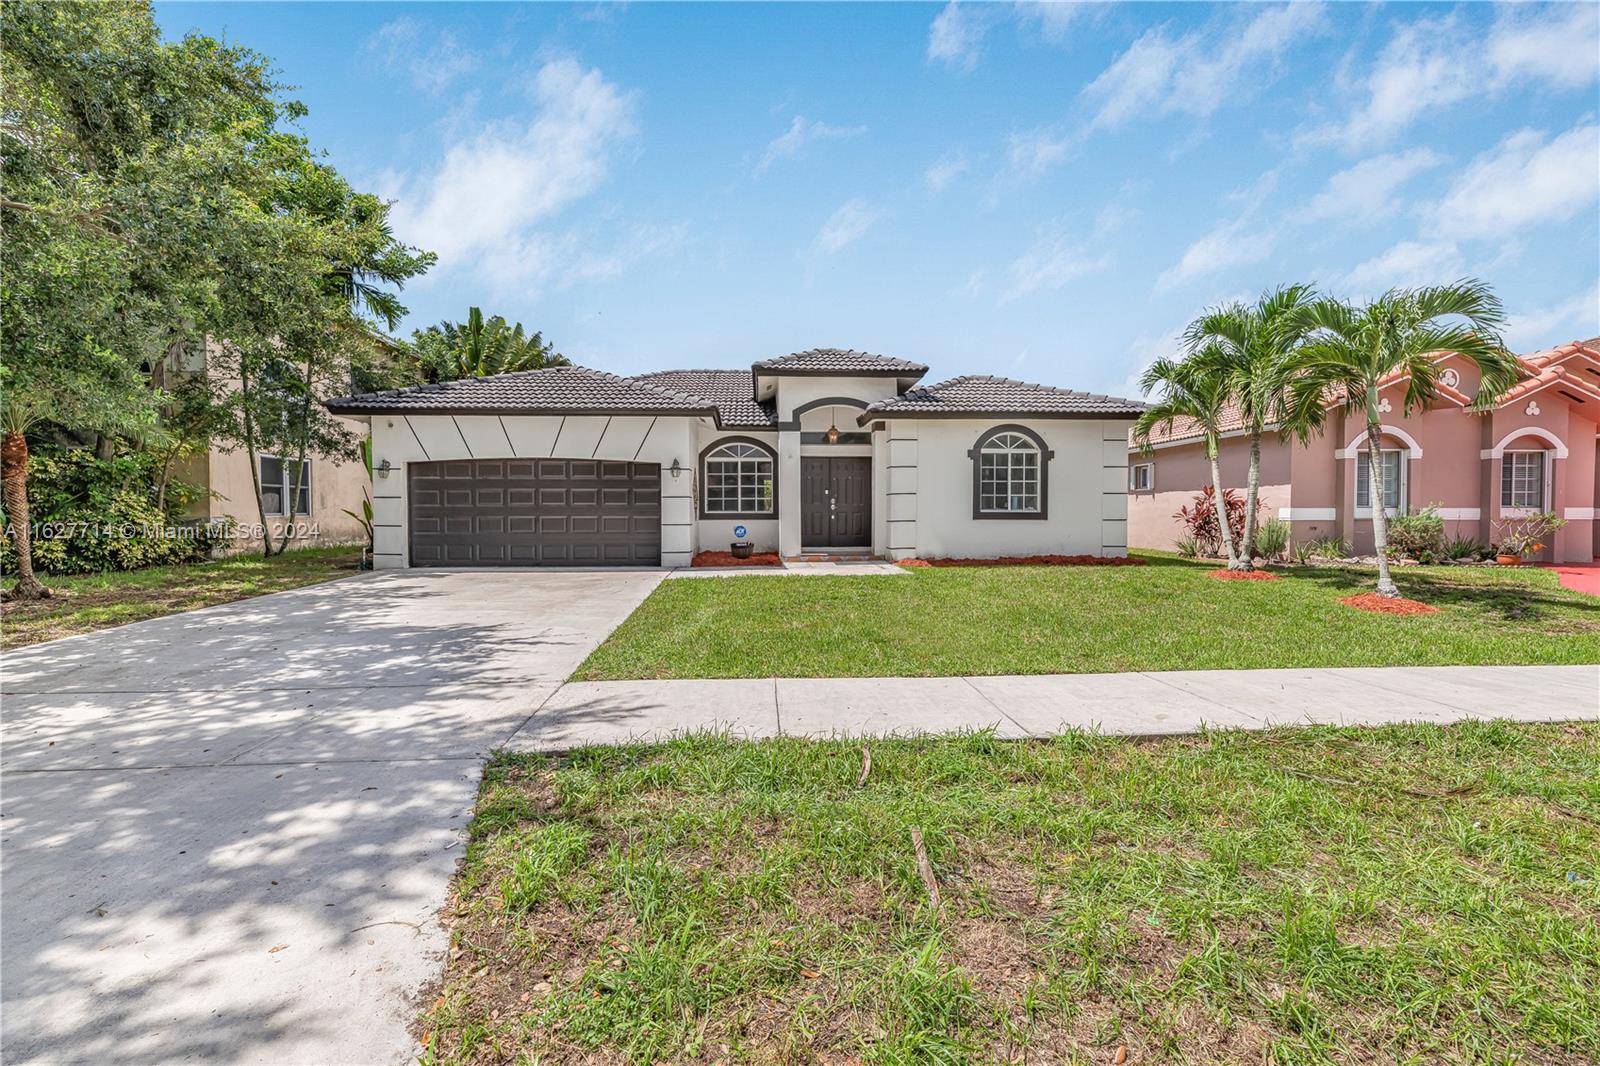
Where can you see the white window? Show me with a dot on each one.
(738, 480)
(277, 485)
(1008, 474)
(1394, 472)
(1522, 480)
(1141, 477)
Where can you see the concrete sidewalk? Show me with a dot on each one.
(605, 712)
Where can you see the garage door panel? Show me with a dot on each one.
(545, 512)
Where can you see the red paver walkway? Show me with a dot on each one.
(1580, 577)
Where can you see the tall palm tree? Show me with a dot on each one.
(481, 346)
(1253, 348)
(1197, 390)
(1351, 351)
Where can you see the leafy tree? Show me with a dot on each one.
(1351, 351)
(115, 147)
(479, 347)
(1253, 348)
(1196, 390)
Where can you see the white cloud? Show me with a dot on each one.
(1406, 265)
(1198, 72)
(1231, 244)
(431, 66)
(1433, 63)
(1033, 152)
(1367, 190)
(1575, 318)
(1051, 17)
(509, 176)
(845, 226)
(801, 134)
(537, 260)
(956, 34)
(940, 174)
(1049, 266)
(1523, 181)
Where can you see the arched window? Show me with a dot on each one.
(1008, 474)
(738, 480)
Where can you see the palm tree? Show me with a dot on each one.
(1194, 389)
(1253, 349)
(479, 347)
(1352, 351)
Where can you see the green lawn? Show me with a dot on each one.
(1028, 620)
(1415, 894)
(86, 602)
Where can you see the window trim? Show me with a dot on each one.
(975, 454)
(1403, 489)
(1133, 469)
(1544, 481)
(283, 486)
(734, 516)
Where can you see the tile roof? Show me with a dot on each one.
(839, 361)
(559, 389)
(980, 395)
(730, 390)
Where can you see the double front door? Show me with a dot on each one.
(835, 502)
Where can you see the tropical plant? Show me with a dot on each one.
(1328, 548)
(1187, 547)
(1458, 549)
(479, 347)
(1200, 519)
(1526, 534)
(365, 519)
(1351, 353)
(1195, 392)
(1253, 348)
(1272, 538)
(1417, 535)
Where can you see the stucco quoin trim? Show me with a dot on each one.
(974, 454)
(1499, 450)
(1351, 450)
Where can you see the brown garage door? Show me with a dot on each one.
(535, 512)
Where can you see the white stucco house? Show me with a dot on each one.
(824, 451)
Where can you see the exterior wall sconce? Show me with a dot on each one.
(676, 469)
(384, 468)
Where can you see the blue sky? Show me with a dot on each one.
(1047, 192)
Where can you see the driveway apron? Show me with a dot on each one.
(227, 834)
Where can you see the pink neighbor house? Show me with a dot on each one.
(1534, 451)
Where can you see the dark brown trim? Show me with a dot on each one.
(1096, 416)
(336, 407)
(1045, 455)
(793, 424)
(700, 490)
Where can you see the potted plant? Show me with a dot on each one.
(1524, 535)
(742, 549)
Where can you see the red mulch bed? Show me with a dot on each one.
(1030, 560)
(1371, 601)
(1242, 575)
(727, 559)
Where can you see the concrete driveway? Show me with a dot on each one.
(227, 834)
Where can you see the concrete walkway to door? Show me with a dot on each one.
(608, 712)
(228, 833)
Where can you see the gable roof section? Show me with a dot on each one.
(729, 390)
(981, 396)
(846, 361)
(552, 390)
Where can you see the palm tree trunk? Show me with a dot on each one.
(249, 424)
(1221, 506)
(1252, 493)
(1380, 519)
(14, 475)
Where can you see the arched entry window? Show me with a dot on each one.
(738, 480)
(1009, 466)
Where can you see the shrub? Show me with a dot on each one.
(1200, 519)
(1188, 547)
(1526, 535)
(1418, 535)
(1459, 548)
(1272, 538)
(1323, 548)
(91, 515)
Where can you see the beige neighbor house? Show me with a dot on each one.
(329, 486)
(820, 452)
(1533, 451)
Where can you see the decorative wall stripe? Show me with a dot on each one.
(414, 436)
(463, 437)
(1308, 514)
(603, 431)
(646, 437)
(507, 433)
(554, 445)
